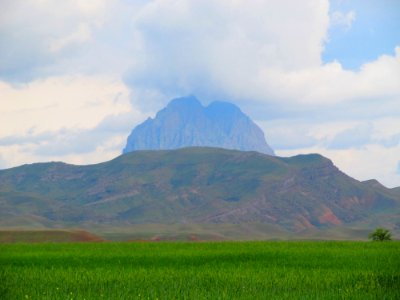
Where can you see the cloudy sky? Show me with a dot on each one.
(318, 76)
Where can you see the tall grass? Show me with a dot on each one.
(225, 270)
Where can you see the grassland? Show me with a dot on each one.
(214, 270)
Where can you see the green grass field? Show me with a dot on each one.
(216, 270)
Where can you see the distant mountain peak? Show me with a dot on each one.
(223, 105)
(189, 101)
(185, 122)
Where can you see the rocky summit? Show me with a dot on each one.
(185, 122)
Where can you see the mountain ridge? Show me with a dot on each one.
(194, 186)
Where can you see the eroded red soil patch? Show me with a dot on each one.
(47, 236)
(329, 217)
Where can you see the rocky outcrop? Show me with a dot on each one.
(186, 123)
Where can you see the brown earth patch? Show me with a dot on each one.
(329, 217)
(303, 223)
(47, 236)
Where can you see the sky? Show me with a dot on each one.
(318, 76)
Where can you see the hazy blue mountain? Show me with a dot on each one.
(186, 123)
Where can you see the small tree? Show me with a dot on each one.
(380, 234)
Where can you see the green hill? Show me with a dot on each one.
(396, 191)
(193, 186)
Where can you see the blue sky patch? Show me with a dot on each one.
(362, 30)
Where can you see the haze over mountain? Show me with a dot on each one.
(195, 186)
(186, 123)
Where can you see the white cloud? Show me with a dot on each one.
(77, 119)
(76, 146)
(60, 102)
(16, 155)
(303, 133)
(354, 137)
(235, 50)
(92, 8)
(330, 83)
(362, 149)
(33, 32)
(342, 19)
(81, 35)
(260, 52)
(289, 134)
(225, 47)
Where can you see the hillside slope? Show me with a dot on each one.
(192, 185)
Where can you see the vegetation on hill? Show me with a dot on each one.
(192, 185)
